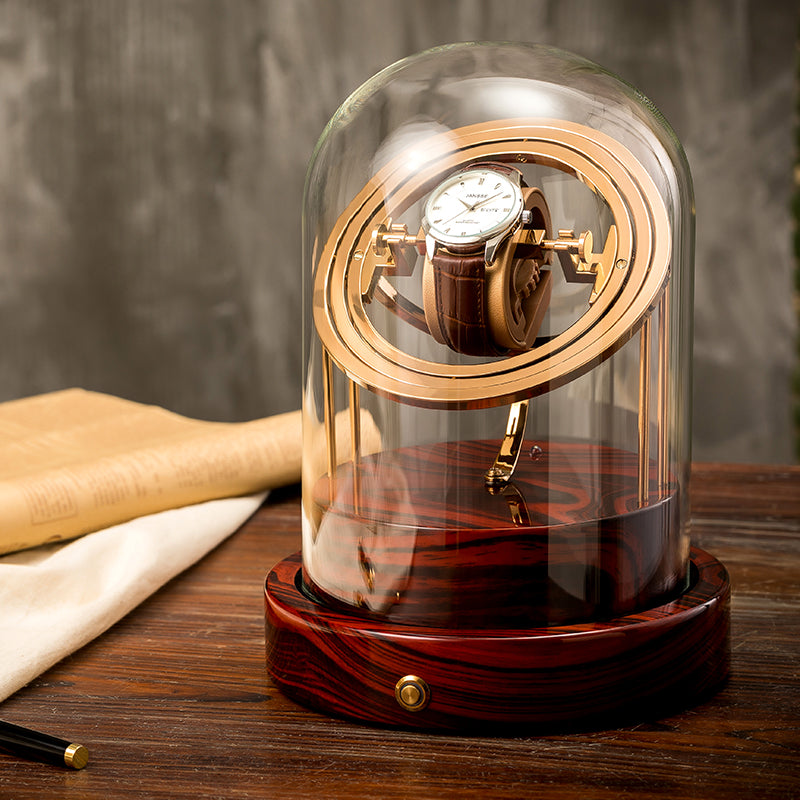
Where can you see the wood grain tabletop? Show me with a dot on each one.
(174, 701)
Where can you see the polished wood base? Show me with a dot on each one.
(345, 663)
(427, 544)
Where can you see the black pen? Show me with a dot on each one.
(42, 747)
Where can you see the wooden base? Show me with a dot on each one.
(593, 673)
(426, 544)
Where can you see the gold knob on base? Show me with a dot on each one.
(412, 693)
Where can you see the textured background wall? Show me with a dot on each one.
(152, 156)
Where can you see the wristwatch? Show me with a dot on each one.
(472, 284)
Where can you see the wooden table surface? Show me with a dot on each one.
(174, 701)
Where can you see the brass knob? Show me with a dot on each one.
(412, 693)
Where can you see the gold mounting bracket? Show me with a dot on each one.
(579, 263)
(575, 255)
(390, 253)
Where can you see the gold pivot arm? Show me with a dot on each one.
(579, 262)
(392, 252)
(575, 255)
(499, 474)
(392, 244)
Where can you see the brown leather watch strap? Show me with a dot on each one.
(471, 317)
(460, 289)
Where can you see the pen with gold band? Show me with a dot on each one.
(42, 747)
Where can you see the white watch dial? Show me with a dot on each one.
(472, 206)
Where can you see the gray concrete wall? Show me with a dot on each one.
(152, 155)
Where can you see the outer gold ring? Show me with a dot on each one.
(601, 162)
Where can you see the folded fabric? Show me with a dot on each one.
(55, 599)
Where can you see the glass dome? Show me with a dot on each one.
(498, 269)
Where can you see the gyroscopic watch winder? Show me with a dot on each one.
(498, 287)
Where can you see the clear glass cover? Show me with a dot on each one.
(497, 396)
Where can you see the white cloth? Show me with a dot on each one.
(57, 598)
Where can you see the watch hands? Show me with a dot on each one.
(463, 210)
(470, 208)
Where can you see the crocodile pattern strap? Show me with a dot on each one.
(460, 286)
(461, 294)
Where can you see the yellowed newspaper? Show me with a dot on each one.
(76, 461)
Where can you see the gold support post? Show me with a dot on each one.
(663, 407)
(355, 443)
(499, 474)
(330, 424)
(644, 412)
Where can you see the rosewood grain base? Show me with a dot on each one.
(641, 664)
(426, 544)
